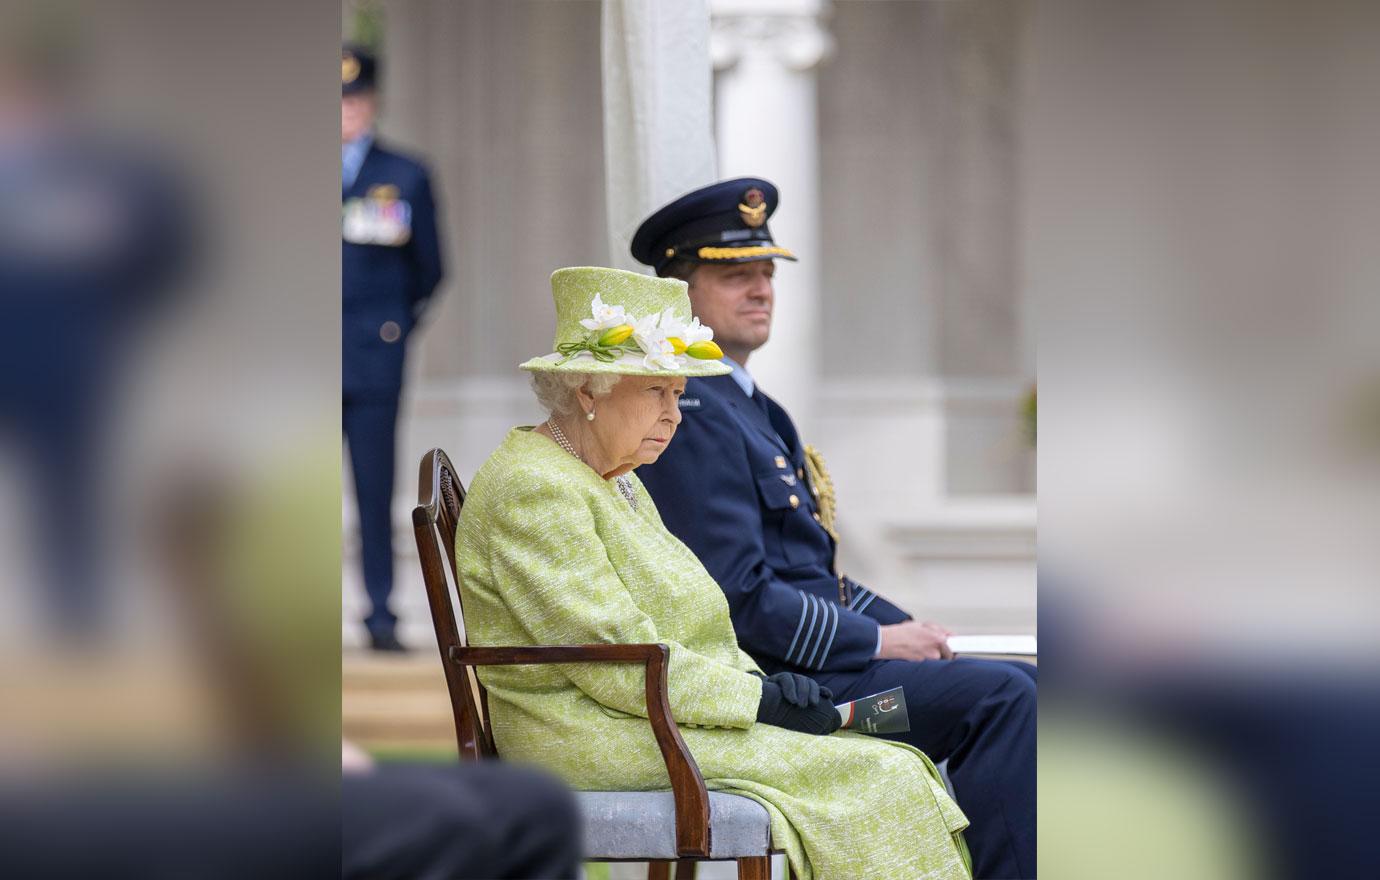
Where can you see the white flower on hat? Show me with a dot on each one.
(673, 329)
(605, 316)
(697, 332)
(693, 339)
(682, 335)
(659, 353)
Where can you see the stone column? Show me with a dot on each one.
(765, 53)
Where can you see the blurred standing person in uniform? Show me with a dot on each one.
(763, 525)
(391, 265)
(96, 235)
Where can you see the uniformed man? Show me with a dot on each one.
(762, 522)
(391, 265)
(97, 237)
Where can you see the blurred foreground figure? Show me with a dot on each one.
(1181, 759)
(391, 266)
(447, 822)
(91, 233)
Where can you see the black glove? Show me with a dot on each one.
(799, 690)
(820, 719)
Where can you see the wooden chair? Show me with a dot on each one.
(683, 826)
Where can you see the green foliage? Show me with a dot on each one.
(1029, 415)
(365, 24)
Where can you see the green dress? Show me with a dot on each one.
(550, 553)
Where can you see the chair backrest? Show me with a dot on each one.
(440, 496)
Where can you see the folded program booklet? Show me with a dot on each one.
(879, 713)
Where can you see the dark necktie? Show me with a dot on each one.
(761, 400)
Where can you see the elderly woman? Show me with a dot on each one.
(560, 544)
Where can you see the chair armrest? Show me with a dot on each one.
(687, 785)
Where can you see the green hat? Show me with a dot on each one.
(611, 321)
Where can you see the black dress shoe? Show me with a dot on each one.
(386, 642)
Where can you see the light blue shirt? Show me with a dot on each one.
(352, 158)
(748, 384)
(741, 376)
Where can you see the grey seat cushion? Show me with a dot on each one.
(641, 825)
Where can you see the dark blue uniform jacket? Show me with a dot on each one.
(732, 486)
(392, 264)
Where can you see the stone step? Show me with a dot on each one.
(395, 703)
(399, 708)
(423, 674)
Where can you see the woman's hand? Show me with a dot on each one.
(801, 690)
(820, 719)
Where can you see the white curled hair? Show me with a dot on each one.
(556, 391)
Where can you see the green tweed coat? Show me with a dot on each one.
(551, 554)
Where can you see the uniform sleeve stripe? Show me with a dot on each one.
(866, 602)
(799, 660)
(803, 605)
(824, 609)
(810, 635)
(833, 630)
(860, 594)
(828, 646)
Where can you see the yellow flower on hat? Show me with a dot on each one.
(616, 335)
(705, 351)
(689, 338)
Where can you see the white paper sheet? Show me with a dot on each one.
(993, 644)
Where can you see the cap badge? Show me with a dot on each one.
(753, 208)
(349, 69)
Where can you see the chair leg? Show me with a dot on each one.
(659, 870)
(754, 868)
(686, 869)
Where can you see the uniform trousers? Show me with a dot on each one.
(979, 715)
(55, 422)
(370, 423)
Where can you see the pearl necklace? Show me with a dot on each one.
(625, 486)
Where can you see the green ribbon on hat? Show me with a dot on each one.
(605, 353)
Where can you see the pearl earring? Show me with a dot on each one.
(589, 416)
